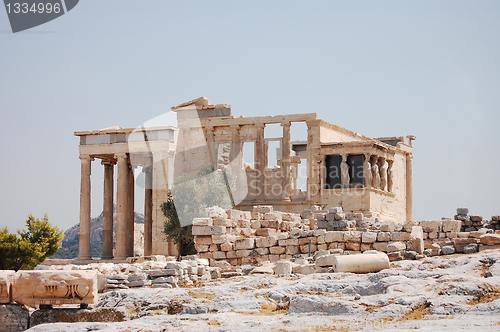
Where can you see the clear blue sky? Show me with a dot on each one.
(381, 68)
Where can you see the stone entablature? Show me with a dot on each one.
(48, 287)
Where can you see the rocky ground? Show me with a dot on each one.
(444, 293)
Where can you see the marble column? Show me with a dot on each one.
(107, 224)
(84, 245)
(260, 159)
(121, 207)
(148, 211)
(130, 211)
(409, 197)
(285, 161)
(209, 132)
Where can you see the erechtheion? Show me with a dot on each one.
(360, 174)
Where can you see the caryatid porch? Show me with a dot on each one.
(152, 149)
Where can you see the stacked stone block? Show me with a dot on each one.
(267, 235)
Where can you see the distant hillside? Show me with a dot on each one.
(70, 241)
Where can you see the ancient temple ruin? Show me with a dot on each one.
(343, 168)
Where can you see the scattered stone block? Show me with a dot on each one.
(326, 260)
(462, 211)
(224, 222)
(353, 246)
(307, 214)
(447, 250)
(431, 225)
(352, 236)
(219, 255)
(277, 250)
(240, 253)
(476, 218)
(203, 239)
(248, 243)
(387, 226)
(216, 212)
(462, 242)
(451, 225)
(396, 246)
(272, 216)
(380, 246)
(164, 272)
(208, 230)
(400, 236)
(268, 241)
(369, 237)
(490, 239)
(364, 263)
(55, 287)
(289, 242)
(416, 240)
(407, 226)
(292, 250)
(471, 248)
(202, 222)
(384, 236)
(275, 224)
(255, 224)
(263, 209)
(283, 268)
(283, 235)
(395, 256)
(354, 216)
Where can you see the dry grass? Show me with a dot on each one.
(318, 329)
(484, 268)
(489, 294)
(418, 313)
(371, 308)
(197, 294)
(214, 322)
(266, 310)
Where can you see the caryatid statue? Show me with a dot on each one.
(344, 172)
(383, 174)
(368, 171)
(375, 173)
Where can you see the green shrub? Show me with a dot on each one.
(29, 247)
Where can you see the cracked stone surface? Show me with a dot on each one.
(447, 293)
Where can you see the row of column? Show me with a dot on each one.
(378, 177)
(260, 153)
(124, 245)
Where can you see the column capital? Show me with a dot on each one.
(235, 126)
(260, 125)
(86, 157)
(286, 124)
(108, 162)
(121, 155)
(312, 123)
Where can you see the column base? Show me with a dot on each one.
(84, 258)
(107, 257)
